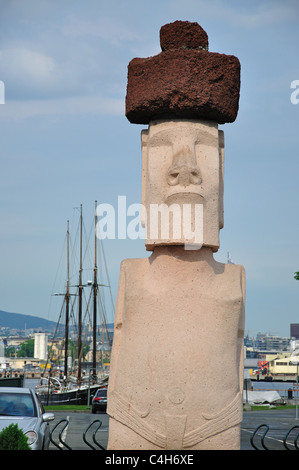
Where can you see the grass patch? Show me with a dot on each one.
(67, 408)
(268, 407)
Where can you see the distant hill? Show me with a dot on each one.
(19, 321)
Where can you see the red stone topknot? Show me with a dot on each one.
(184, 81)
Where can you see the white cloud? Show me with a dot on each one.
(29, 72)
(34, 74)
(262, 16)
(67, 64)
(248, 14)
(32, 63)
(93, 105)
(109, 29)
(28, 65)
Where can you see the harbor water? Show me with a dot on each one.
(283, 388)
(31, 383)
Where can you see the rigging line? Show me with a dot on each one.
(57, 325)
(82, 353)
(74, 251)
(107, 273)
(101, 303)
(87, 252)
(74, 258)
(56, 276)
(59, 269)
(74, 241)
(86, 255)
(72, 315)
(60, 262)
(102, 310)
(87, 311)
(103, 323)
(101, 300)
(54, 336)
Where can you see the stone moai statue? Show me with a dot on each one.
(176, 379)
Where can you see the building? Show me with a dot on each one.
(284, 366)
(41, 346)
(294, 330)
(272, 343)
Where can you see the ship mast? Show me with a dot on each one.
(67, 301)
(95, 292)
(80, 303)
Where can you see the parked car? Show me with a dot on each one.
(99, 401)
(21, 406)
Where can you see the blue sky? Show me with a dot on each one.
(65, 140)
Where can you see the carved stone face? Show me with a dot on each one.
(182, 174)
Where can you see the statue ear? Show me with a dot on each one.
(144, 139)
(221, 178)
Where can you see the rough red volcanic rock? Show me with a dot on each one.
(183, 83)
(183, 35)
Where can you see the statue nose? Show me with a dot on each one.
(183, 175)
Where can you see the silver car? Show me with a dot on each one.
(21, 406)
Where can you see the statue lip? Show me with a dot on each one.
(185, 197)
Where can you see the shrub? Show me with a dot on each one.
(13, 438)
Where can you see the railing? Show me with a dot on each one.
(295, 438)
(61, 445)
(93, 435)
(264, 433)
(262, 438)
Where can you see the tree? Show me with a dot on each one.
(10, 351)
(296, 276)
(13, 438)
(27, 349)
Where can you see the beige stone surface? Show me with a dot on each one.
(176, 369)
(182, 179)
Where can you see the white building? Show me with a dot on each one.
(41, 346)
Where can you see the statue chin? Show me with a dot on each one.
(184, 198)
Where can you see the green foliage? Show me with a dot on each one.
(73, 350)
(10, 351)
(27, 349)
(51, 408)
(296, 276)
(13, 438)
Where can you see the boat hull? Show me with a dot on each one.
(71, 397)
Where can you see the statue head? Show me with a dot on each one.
(182, 94)
(182, 183)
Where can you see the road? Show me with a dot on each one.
(278, 421)
(72, 427)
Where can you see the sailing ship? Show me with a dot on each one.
(76, 387)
